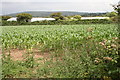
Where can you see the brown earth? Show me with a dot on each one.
(17, 54)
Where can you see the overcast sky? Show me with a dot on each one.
(13, 6)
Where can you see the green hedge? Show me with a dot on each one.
(62, 22)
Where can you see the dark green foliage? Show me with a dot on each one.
(111, 14)
(5, 18)
(24, 17)
(57, 16)
(14, 23)
(60, 22)
(10, 23)
(117, 8)
(78, 17)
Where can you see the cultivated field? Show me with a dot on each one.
(59, 51)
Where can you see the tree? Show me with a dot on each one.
(5, 18)
(111, 14)
(24, 17)
(117, 7)
(57, 16)
(78, 17)
(69, 17)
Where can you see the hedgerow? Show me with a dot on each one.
(59, 22)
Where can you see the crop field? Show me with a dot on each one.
(60, 51)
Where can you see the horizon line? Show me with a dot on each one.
(57, 11)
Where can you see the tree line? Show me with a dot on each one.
(26, 17)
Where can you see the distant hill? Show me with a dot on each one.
(64, 13)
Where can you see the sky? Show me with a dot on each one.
(14, 6)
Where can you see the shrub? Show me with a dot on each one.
(59, 22)
(24, 17)
(78, 17)
(5, 18)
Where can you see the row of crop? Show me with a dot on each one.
(18, 38)
(85, 51)
(60, 22)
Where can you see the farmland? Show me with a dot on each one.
(60, 51)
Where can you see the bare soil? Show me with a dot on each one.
(17, 54)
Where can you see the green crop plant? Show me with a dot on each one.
(77, 51)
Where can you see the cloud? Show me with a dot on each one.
(13, 6)
(15, 0)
